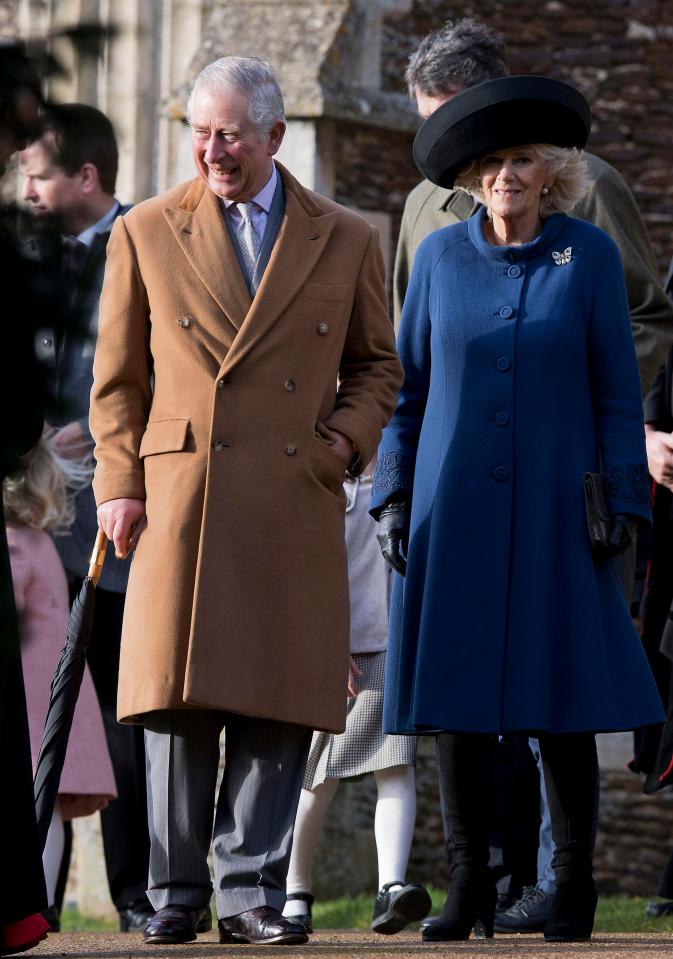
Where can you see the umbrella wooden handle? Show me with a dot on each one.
(98, 557)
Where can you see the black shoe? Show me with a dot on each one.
(427, 922)
(176, 924)
(530, 914)
(470, 904)
(395, 910)
(654, 910)
(505, 901)
(306, 919)
(572, 912)
(261, 926)
(53, 918)
(136, 915)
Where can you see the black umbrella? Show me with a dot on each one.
(65, 688)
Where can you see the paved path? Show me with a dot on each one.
(334, 944)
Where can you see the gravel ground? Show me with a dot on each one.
(338, 944)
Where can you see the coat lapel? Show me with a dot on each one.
(273, 225)
(302, 238)
(199, 228)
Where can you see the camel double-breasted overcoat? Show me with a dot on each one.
(216, 411)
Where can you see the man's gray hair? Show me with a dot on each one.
(252, 76)
(460, 54)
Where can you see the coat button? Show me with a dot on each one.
(506, 312)
(183, 322)
(221, 384)
(501, 473)
(218, 445)
(502, 418)
(514, 271)
(322, 328)
(290, 449)
(46, 341)
(289, 386)
(503, 363)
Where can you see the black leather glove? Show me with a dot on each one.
(393, 534)
(622, 532)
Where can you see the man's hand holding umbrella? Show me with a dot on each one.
(122, 521)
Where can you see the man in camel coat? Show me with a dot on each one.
(231, 306)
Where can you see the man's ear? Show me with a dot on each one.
(88, 173)
(276, 134)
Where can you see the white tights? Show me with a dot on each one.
(53, 854)
(393, 829)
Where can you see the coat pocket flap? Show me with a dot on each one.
(164, 436)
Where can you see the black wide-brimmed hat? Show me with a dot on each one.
(508, 112)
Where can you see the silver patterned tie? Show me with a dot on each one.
(250, 241)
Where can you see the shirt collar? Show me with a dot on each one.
(264, 198)
(101, 226)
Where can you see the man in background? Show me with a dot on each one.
(70, 170)
(459, 55)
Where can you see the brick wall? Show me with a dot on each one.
(374, 171)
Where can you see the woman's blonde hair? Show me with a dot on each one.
(40, 492)
(566, 165)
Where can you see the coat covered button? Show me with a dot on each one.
(183, 322)
(501, 473)
(506, 312)
(290, 449)
(514, 271)
(502, 418)
(289, 385)
(322, 328)
(503, 363)
(219, 445)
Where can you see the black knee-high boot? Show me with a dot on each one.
(464, 765)
(571, 778)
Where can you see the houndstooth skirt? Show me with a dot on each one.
(363, 747)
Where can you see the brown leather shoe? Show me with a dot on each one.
(261, 926)
(175, 924)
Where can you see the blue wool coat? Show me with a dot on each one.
(520, 375)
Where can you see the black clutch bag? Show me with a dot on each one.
(598, 517)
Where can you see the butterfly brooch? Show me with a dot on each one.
(560, 259)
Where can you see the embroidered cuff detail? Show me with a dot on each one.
(390, 475)
(628, 483)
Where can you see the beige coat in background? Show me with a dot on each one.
(215, 410)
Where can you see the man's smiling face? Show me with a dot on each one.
(230, 153)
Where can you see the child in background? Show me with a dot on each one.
(37, 504)
(363, 747)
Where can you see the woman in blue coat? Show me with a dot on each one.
(520, 377)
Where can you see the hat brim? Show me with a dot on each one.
(508, 112)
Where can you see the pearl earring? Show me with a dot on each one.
(545, 190)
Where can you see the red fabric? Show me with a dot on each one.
(668, 771)
(24, 934)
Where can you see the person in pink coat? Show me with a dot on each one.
(37, 504)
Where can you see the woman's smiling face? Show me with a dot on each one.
(512, 181)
